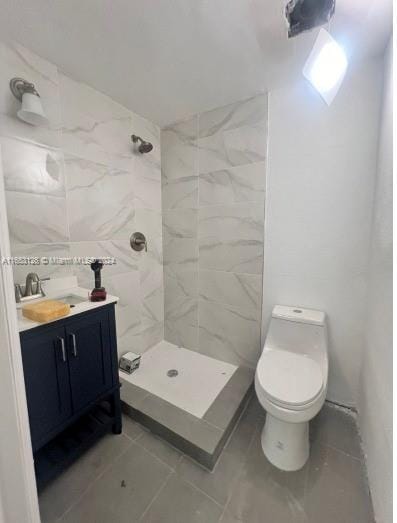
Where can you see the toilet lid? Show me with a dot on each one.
(289, 378)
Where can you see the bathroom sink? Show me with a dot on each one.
(71, 299)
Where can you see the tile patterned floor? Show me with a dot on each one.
(138, 477)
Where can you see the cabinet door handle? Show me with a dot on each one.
(74, 344)
(62, 348)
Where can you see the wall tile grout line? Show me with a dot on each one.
(197, 228)
(232, 167)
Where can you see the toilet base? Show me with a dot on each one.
(286, 445)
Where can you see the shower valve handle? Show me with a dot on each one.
(138, 241)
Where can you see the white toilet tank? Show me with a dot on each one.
(302, 331)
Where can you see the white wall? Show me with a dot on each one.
(320, 182)
(376, 384)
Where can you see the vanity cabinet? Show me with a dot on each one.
(47, 382)
(90, 359)
(71, 371)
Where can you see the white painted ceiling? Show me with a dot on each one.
(168, 59)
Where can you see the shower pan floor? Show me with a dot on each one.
(194, 410)
(187, 379)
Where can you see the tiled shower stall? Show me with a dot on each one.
(79, 188)
(213, 196)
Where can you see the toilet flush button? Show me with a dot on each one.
(298, 314)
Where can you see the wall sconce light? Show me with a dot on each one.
(31, 109)
(326, 66)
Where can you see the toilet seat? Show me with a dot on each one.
(289, 380)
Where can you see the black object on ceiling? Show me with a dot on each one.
(303, 15)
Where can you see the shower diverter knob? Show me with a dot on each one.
(138, 241)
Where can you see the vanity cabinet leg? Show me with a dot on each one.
(116, 406)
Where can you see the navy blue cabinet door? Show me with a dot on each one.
(47, 386)
(89, 355)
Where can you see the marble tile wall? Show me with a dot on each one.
(79, 188)
(213, 187)
(180, 232)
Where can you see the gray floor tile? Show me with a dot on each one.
(336, 488)
(264, 494)
(131, 428)
(242, 435)
(255, 409)
(123, 492)
(219, 483)
(120, 480)
(64, 491)
(338, 429)
(160, 448)
(179, 502)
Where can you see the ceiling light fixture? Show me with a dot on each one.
(326, 66)
(31, 110)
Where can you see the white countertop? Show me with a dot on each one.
(56, 289)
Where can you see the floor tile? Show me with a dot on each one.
(336, 488)
(255, 409)
(123, 492)
(216, 484)
(179, 502)
(138, 476)
(338, 429)
(264, 494)
(131, 428)
(219, 483)
(64, 491)
(241, 437)
(160, 448)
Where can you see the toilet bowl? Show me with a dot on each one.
(291, 383)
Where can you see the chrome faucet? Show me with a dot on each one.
(32, 289)
(31, 278)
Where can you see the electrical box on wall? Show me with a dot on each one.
(303, 15)
(129, 362)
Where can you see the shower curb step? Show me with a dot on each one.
(203, 439)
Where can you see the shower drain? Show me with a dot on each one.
(172, 373)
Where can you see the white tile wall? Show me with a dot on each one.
(213, 172)
(100, 201)
(80, 188)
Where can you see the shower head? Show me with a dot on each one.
(144, 147)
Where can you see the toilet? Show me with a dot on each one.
(291, 382)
